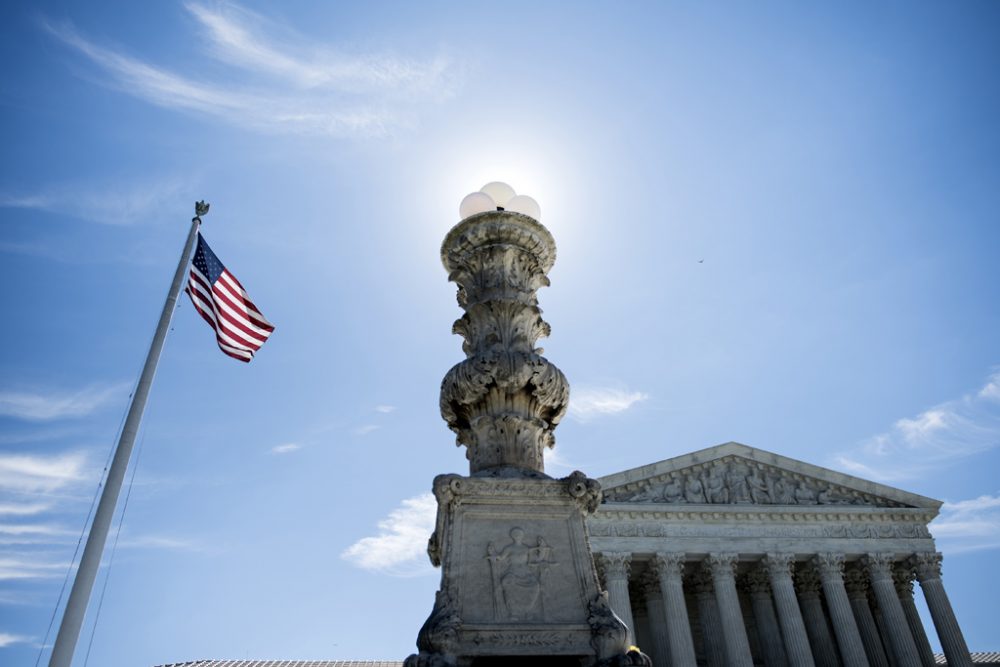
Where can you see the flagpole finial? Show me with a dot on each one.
(200, 208)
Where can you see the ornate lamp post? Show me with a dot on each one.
(518, 578)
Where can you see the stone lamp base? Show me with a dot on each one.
(518, 579)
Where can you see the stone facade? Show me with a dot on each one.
(765, 560)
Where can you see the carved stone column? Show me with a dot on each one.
(768, 630)
(808, 584)
(669, 569)
(504, 401)
(902, 577)
(653, 598)
(928, 568)
(723, 569)
(831, 572)
(856, 583)
(617, 565)
(793, 629)
(904, 651)
(708, 615)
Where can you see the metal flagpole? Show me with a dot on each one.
(76, 606)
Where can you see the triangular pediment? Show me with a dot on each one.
(734, 473)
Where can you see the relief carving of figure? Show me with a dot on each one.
(736, 480)
(715, 485)
(650, 493)
(518, 572)
(694, 491)
(782, 492)
(673, 491)
(758, 488)
(804, 495)
(829, 497)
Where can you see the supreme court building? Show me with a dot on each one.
(736, 556)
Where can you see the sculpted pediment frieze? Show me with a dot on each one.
(740, 475)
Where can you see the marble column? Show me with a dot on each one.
(904, 650)
(902, 577)
(669, 569)
(793, 629)
(617, 565)
(708, 616)
(659, 651)
(883, 631)
(734, 633)
(928, 568)
(856, 583)
(830, 567)
(768, 631)
(808, 585)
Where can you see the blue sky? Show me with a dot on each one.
(835, 166)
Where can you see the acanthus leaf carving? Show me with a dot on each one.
(504, 400)
(440, 632)
(608, 632)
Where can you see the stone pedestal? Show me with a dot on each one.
(518, 582)
(517, 577)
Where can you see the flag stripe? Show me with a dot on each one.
(232, 312)
(224, 335)
(235, 306)
(207, 310)
(241, 295)
(240, 328)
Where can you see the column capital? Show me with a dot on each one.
(649, 585)
(616, 564)
(757, 582)
(779, 564)
(669, 564)
(927, 565)
(808, 582)
(856, 583)
(829, 566)
(902, 577)
(722, 564)
(879, 566)
(702, 582)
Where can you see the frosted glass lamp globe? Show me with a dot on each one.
(477, 202)
(526, 205)
(500, 192)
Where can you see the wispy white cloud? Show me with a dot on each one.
(400, 548)
(251, 42)
(289, 84)
(23, 509)
(938, 436)
(161, 543)
(35, 534)
(60, 404)
(30, 567)
(385, 409)
(589, 402)
(991, 390)
(553, 458)
(29, 473)
(969, 525)
(127, 203)
(8, 639)
(365, 429)
(286, 448)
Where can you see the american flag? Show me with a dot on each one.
(239, 327)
